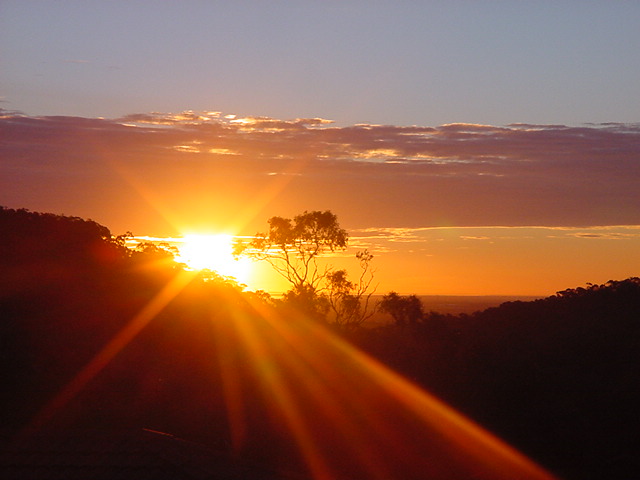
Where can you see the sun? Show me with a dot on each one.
(213, 252)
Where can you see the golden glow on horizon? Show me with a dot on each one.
(214, 252)
(469, 261)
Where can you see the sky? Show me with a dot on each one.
(475, 148)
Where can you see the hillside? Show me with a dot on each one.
(555, 377)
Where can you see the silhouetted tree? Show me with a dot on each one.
(557, 377)
(403, 309)
(350, 301)
(292, 247)
(306, 300)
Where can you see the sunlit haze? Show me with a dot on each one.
(213, 252)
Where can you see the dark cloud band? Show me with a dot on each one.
(402, 176)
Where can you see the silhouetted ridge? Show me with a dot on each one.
(556, 377)
(34, 236)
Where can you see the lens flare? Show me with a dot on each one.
(214, 252)
(349, 415)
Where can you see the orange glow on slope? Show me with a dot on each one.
(120, 341)
(349, 415)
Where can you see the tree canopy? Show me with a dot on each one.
(556, 377)
(403, 309)
(292, 246)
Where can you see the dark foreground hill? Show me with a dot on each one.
(558, 378)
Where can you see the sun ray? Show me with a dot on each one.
(340, 405)
(115, 346)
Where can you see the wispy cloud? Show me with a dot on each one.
(404, 176)
(390, 236)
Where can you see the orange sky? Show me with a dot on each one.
(452, 209)
(506, 260)
(489, 261)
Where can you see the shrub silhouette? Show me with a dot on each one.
(557, 377)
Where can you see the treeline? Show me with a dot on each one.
(558, 378)
(67, 288)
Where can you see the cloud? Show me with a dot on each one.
(608, 233)
(403, 176)
(419, 235)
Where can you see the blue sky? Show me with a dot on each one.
(401, 63)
